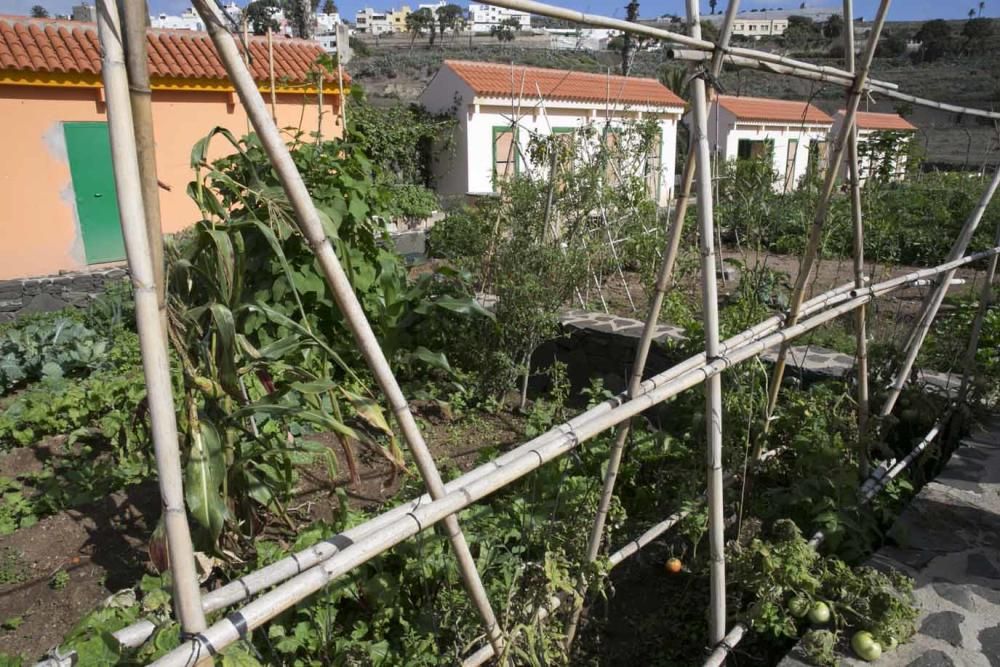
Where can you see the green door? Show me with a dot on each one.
(89, 154)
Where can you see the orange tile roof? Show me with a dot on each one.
(53, 46)
(498, 80)
(869, 120)
(760, 108)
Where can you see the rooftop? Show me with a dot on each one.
(498, 80)
(61, 47)
(761, 108)
(869, 120)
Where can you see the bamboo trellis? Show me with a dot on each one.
(302, 574)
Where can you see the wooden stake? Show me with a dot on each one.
(134, 17)
(152, 342)
(860, 321)
(270, 75)
(985, 301)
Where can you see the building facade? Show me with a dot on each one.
(58, 208)
(488, 147)
(371, 22)
(482, 18)
(883, 143)
(793, 136)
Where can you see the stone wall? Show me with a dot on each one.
(47, 293)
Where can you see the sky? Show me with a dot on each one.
(901, 10)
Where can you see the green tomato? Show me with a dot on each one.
(819, 613)
(865, 646)
(798, 606)
(891, 644)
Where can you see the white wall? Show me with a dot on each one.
(446, 93)
(725, 133)
(867, 162)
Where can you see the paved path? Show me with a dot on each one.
(948, 540)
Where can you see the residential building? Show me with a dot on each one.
(397, 18)
(326, 24)
(488, 146)
(58, 209)
(371, 22)
(84, 12)
(580, 39)
(792, 135)
(883, 140)
(771, 22)
(482, 18)
(188, 20)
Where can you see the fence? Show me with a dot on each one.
(301, 574)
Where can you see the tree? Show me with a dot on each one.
(329, 7)
(801, 32)
(449, 17)
(711, 6)
(418, 23)
(260, 15)
(891, 45)
(39, 12)
(935, 40)
(300, 14)
(982, 5)
(972, 13)
(504, 32)
(628, 43)
(977, 32)
(833, 27)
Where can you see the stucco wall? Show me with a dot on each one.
(479, 140)
(725, 133)
(38, 222)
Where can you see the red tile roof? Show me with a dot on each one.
(760, 108)
(869, 120)
(48, 46)
(498, 80)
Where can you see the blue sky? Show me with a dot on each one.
(901, 9)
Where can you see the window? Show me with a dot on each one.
(654, 177)
(748, 149)
(818, 154)
(506, 154)
(793, 148)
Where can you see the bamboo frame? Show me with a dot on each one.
(934, 300)
(301, 574)
(822, 206)
(517, 463)
(664, 278)
(152, 338)
(337, 281)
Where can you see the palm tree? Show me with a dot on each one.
(982, 5)
(712, 4)
(972, 13)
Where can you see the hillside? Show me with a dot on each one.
(397, 70)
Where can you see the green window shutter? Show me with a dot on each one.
(89, 152)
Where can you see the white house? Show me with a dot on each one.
(489, 145)
(882, 143)
(372, 22)
(794, 134)
(482, 17)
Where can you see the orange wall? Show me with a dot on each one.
(39, 229)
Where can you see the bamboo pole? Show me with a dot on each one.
(347, 301)
(341, 99)
(936, 298)
(822, 206)
(860, 322)
(663, 281)
(985, 301)
(420, 515)
(134, 16)
(270, 76)
(152, 341)
(710, 317)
